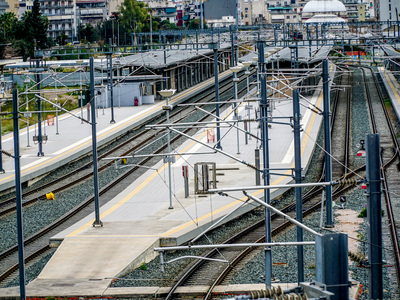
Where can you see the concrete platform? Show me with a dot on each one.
(75, 139)
(392, 87)
(138, 219)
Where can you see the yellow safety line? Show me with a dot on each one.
(109, 131)
(134, 192)
(120, 236)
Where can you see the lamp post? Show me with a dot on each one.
(55, 67)
(26, 82)
(235, 70)
(80, 62)
(167, 94)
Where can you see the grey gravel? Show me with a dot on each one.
(32, 271)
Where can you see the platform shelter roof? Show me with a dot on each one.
(390, 51)
(283, 54)
(155, 59)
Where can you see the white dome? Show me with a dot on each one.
(325, 19)
(324, 6)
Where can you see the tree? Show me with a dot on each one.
(104, 30)
(133, 15)
(61, 39)
(155, 24)
(194, 24)
(166, 25)
(88, 32)
(32, 31)
(8, 23)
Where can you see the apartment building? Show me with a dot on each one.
(389, 10)
(65, 16)
(61, 15)
(254, 12)
(284, 11)
(352, 9)
(13, 6)
(91, 11)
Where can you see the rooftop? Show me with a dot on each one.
(327, 18)
(324, 6)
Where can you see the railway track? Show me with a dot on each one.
(341, 111)
(8, 258)
(390, 154)
(213, 273)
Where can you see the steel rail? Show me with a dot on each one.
(384, 165)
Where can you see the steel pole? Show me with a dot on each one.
(80, 92)
(18, 194)
(94, 147)
(264, 134)
(297, 176)
(55, 83)
(27, 118)
(374, 216)
(110, 85)
(201, 15)
(327, 131)
(169, 157)
(257, 163)
(217, 95)
(39, 108)
(233, 61)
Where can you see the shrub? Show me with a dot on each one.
(363, 213)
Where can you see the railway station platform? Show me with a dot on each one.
(392, 88)
(75, 137)
(138, 219)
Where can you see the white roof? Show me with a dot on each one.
(325, 19)
(324, 6)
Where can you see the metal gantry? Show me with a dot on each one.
(264, 119)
